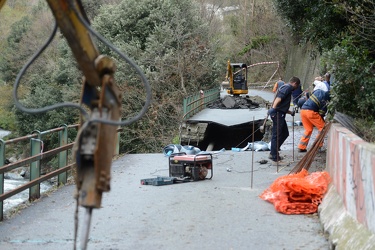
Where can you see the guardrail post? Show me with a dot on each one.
(63, 156)
(34, 191)
(185, 106)
(203, 100)
(196, 103)
(2, 161)
(117, 147)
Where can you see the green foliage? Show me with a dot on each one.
(9, 59)
(67, 72)
(176, 140)
(367, 128)
(92, 8)
(7, 121)
(44, 82)
(18, 30)
(343, 31)
(44, 95)
(6, 116)
(121, 23)
(170, 41)
(177, 49)
(353, 91)
(320, 22)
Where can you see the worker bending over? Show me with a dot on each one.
(280, 107)
(312, 113)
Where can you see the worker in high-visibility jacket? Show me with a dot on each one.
(312, 113)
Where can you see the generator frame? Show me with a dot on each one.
(191, 167)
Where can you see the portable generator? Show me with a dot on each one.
(191, 167)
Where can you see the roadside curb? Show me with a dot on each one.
(344, 231)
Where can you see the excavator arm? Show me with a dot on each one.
(95, 143)
(94, 147)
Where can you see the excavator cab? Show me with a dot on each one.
(237, 74)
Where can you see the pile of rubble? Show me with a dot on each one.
(238, 102)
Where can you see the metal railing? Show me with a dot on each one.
(36, 155)
(195, 103)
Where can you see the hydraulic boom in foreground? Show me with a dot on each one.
(100, 105)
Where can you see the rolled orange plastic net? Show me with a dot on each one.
(299, 193)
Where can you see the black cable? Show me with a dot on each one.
(75, 105)
(23, 71)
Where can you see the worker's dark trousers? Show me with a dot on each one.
(279, 129)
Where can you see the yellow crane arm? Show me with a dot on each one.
(95, 145)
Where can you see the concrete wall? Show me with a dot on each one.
(347, 212)
(351, 164)
(348, 209)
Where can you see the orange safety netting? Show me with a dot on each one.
(299, 193)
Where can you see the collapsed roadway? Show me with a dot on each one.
(228, 123)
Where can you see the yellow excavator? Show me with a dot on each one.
(237, 78)
(100, 104)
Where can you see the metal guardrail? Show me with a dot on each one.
(37, 154)
(195, 103)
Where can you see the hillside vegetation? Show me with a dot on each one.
(342, 32)
(183, 47)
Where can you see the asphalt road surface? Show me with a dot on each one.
(223, 213)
